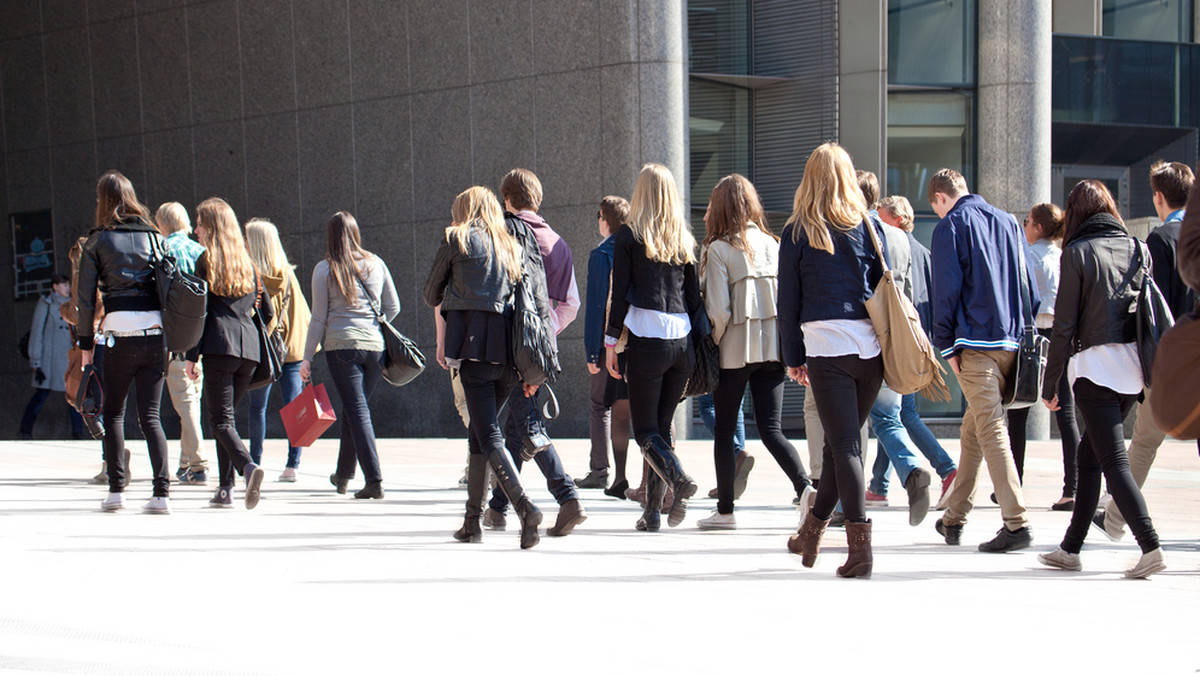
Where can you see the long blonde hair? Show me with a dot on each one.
(230, 270)
(477, 207)
(828, 197)
(262, 240)
(657, 220)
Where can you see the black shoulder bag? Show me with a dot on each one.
(402, 360)
(183, 297)
(1023, 388)
(1154, 316)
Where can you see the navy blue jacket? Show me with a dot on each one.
(816, 285)
(976, 291)
(599, 272)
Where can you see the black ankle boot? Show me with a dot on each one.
(665, 464)
(531, 518)
(471, 530)
(373, 490)
(339, 483)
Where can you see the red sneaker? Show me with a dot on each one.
(876, 499)
(946, 484)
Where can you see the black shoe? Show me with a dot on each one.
(593, 479)
(339, 483)
(837, 520)
(1008, 540)
(372, 491)
(993, 499)
(952, 534)
(918, 495)
(617, 490)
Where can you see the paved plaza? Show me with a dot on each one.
(311, 582)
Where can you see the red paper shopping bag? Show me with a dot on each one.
(308, 416)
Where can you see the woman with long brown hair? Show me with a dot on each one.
(116, 261)
(345, 284)
(828, 268)
(739, 265)
(230, 342)
(1094, 341)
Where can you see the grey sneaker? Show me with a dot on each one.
(742, 466)
(223, 498)
(102, 477)
(493, 520)
(593, 479)
(1150, 563)
(194, 477)
(254, 479)
(1060, 559)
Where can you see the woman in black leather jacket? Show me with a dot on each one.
(116, 261)
(472, 280)
(1094, 341)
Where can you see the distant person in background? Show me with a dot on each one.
(291, 322)
(172, 220)
(49, 345)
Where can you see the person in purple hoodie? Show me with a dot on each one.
(524, 428)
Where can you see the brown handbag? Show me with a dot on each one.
(909, 362)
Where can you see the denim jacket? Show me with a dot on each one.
(599, 272)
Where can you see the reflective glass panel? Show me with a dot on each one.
(931, 42)
(719, 36)
(926, 132)
(1165, 20)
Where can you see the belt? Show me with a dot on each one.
(135, 334)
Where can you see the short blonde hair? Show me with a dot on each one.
(899, 206)
(171, 218)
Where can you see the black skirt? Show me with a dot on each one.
(473, 335)
(615, 390)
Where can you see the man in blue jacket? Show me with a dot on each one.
(977, 325)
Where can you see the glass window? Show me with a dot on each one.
(1165, 20)
(926, 132)
(931, 42)
(719, 36)
(719, 132)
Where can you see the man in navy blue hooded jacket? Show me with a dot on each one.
(977, 325)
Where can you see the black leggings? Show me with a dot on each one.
(1068, 430)
(657, 371)
(1102, 450)
(766, 390)
(140, 361)
(845, 389)
(226, 380)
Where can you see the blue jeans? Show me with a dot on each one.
(34, 407)
(893, 439)
(356, 373)
(520, 407)
(922, 437)
(708, 416)
(290, 386)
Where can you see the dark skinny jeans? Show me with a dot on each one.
(1068, 430)
(766, 390)
(356, 373)
(845, 389)
(656, 371)
(226, 381)
(1102, 450)
(140, 361)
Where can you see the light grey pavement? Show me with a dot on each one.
(313, 583)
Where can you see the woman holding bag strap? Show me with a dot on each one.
(230, 342)
(347, 329)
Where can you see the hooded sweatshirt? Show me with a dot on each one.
(291, 312)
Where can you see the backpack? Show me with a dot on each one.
(184, 300)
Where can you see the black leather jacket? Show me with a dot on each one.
(117, 262)
(1097, 294)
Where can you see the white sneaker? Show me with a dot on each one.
(157, 505)
(1150, 563)
(718, 521)
(289, 475)
(1061, 559)
(113, 502)
(807, 497)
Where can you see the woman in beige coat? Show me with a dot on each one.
(739, 272)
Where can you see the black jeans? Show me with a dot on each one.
(656, 371)
(766, 390)
(845, 389)
(226, 381)
(356, 373)
(1102, 449)
(485, 387)
(1068, 430)
(519, 408)
(140, 361)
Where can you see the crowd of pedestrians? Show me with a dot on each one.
(781, 306)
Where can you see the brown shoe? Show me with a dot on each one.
(807, 541)
(570, 514)
(860, 561)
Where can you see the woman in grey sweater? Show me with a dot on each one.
(345, 284)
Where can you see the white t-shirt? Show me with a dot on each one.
(654, 324)
(1112, 365)
(840, 337)
(131, 320)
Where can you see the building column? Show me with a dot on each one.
(1014, 117)
(862, 85)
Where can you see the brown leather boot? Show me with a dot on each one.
(570, 514)
(807, 541)
(858, 564)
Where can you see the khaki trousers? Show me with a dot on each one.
(1143, 449)
(185, 397)
(984, 439)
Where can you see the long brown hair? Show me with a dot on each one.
(828, 197)
(116, 202)
(344, 254)
(230, 271)
(732, 206)
(1088, 198)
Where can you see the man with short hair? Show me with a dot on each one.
(175, 226)
(977, 325)
(522, 194)
(1171, 182)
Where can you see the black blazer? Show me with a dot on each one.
(229, 328)
(650, 285)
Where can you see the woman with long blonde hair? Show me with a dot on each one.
(230, 342)
(345, 286)
(740, 279)
(471, 283)
(828, 268)
(291, 323)
(655, 294)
